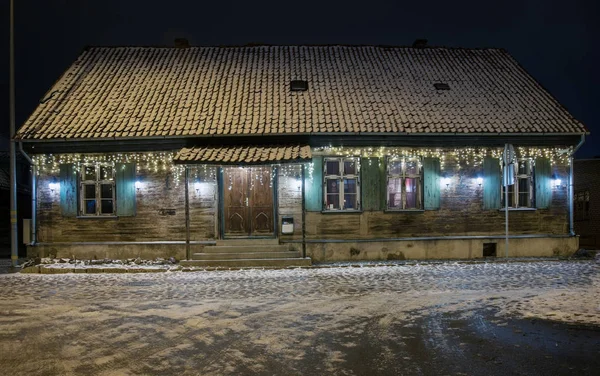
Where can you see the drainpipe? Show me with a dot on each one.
(570, 196)
(303, 212)
(187, 213)
(33, 173)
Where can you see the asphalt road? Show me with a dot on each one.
(432, 319)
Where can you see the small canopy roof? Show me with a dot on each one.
(238, 155)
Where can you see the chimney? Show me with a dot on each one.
(181, 43)
(420, 43)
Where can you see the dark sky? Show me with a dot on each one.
(553, 40)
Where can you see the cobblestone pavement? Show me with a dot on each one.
(420, 319)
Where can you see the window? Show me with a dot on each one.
(97, 190)
(404, 184)
(341, 184)
(582, 206)
(520, 193)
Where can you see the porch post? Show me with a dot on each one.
(303, 214)
(187, 213)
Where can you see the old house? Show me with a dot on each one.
(586, 202)
(278, 154)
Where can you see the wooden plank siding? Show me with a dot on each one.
(461, 209)
(461, 213)
(162, 191)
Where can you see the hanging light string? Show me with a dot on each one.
(154, 162)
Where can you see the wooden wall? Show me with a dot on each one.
(160, 212)
(461, 213)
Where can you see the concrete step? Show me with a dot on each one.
(250, 241)
(246, 248)
(241, 263)
(247, 255)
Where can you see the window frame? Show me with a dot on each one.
(581, 213)
(515, 190)
(340, 181)
(403, 176)
(98, 182)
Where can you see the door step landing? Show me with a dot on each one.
(248, 253)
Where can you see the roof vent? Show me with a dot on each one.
(441, 86)
(298, 85)
(181, 43)
(420, 43)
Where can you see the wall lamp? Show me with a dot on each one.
(197, 186)
(556, 181)
(138, 185)
(54, 186)
(479, 180)
(446, 181)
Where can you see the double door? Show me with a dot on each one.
(247, 202)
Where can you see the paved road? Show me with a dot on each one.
(430, 319)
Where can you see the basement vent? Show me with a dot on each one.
(298, 85)
(441, 86)
(489, 249)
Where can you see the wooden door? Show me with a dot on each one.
(247, 201)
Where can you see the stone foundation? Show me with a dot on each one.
(440, 249)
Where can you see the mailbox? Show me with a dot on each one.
(287, 224)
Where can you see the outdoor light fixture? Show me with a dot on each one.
(54, 186)
(138, 185)
(298, 184)
(556, 181)
(446, 181)
(197, 186)
(480, 181)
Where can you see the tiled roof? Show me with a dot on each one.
(243, 154)
(198, 91)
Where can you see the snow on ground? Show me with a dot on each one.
(245, 321)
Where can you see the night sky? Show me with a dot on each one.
(553, 40)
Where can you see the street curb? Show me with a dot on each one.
(42, 269)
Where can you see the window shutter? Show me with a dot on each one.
(371, 182)
(491, 183)
(125, 185)
(543, 184)
(68, 190)
(314, 187)
(431, 183)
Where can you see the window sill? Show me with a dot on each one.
(341, 211)
(517, 209)
(404, 211)
(97, 217)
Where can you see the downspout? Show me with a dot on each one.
(303, 212)
(187, 214)
(33, 172)
(571, 225)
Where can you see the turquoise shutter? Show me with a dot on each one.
(371, 183)
(491, 183)
(314, 186)
(543, 184)
(68, 190)
(431, 183)
(125, 185)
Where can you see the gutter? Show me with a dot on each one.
(212, 135)
(570, 196)
(33, 195)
